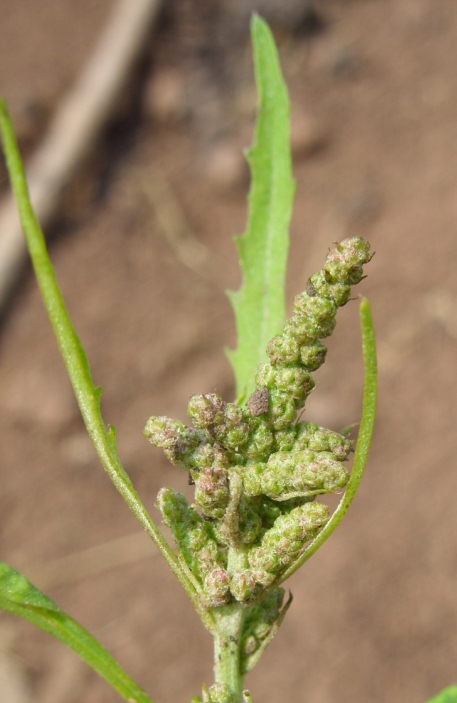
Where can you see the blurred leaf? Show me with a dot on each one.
(447, 695)
(19, 597)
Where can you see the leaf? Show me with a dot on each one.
(87, 395)
(447, 695)
(19, 597)
(259, 304)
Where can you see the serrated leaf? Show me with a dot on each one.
(259, 304)
(447, 695)
(19, 597)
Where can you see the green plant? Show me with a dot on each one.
(257, 470)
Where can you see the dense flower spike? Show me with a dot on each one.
(256, 469)
(195, 540)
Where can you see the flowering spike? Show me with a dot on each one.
(256, 469)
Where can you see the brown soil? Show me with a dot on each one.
(374, 95)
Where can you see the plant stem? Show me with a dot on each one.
(87, 396)
(227, 644)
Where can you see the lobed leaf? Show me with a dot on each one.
(259, 304)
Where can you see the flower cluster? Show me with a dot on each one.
(256, 469)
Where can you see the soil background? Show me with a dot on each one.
(143, 251)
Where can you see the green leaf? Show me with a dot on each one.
(259, 304)
(447, 695)
(87, 395)
(19, 597)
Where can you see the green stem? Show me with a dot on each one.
(87, 396)
(229, 621)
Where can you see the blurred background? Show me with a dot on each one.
(142, 245)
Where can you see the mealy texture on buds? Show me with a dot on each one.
(258, 624)
(193, 536)
(217, 693)
(256, 469)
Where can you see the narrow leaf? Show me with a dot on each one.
(19, 597)
(87, 395)
(447, 695)
(259, 304)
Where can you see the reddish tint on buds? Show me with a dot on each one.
(256, 469)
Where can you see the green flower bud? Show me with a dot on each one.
(285, 439)
(304, 431)
(312, 356)
(338, 445)
(205, 410)
(177, 440)
(293, 474)
(344, 263)
(320, 439)
(207, 559)
(328, 441)
(265, 376)
(339, 293)
(212, 492)
(221, 693)
(294, 381)
(305, 473)
(282, 543)
(231, 437)
(208, 455)
(249, 520)
(283, 350)
(260, 443)
(244, 586)
(233, 415)
(306, 330)
(233, 431)
(269, 511)
(224, 421)
(252, 478)
(217, 587)
(176, 511)
(263, 578)
(265, 559)
(282, 410)
(193, 536)
(320, 310)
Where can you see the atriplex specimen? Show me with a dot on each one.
(257, 470)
